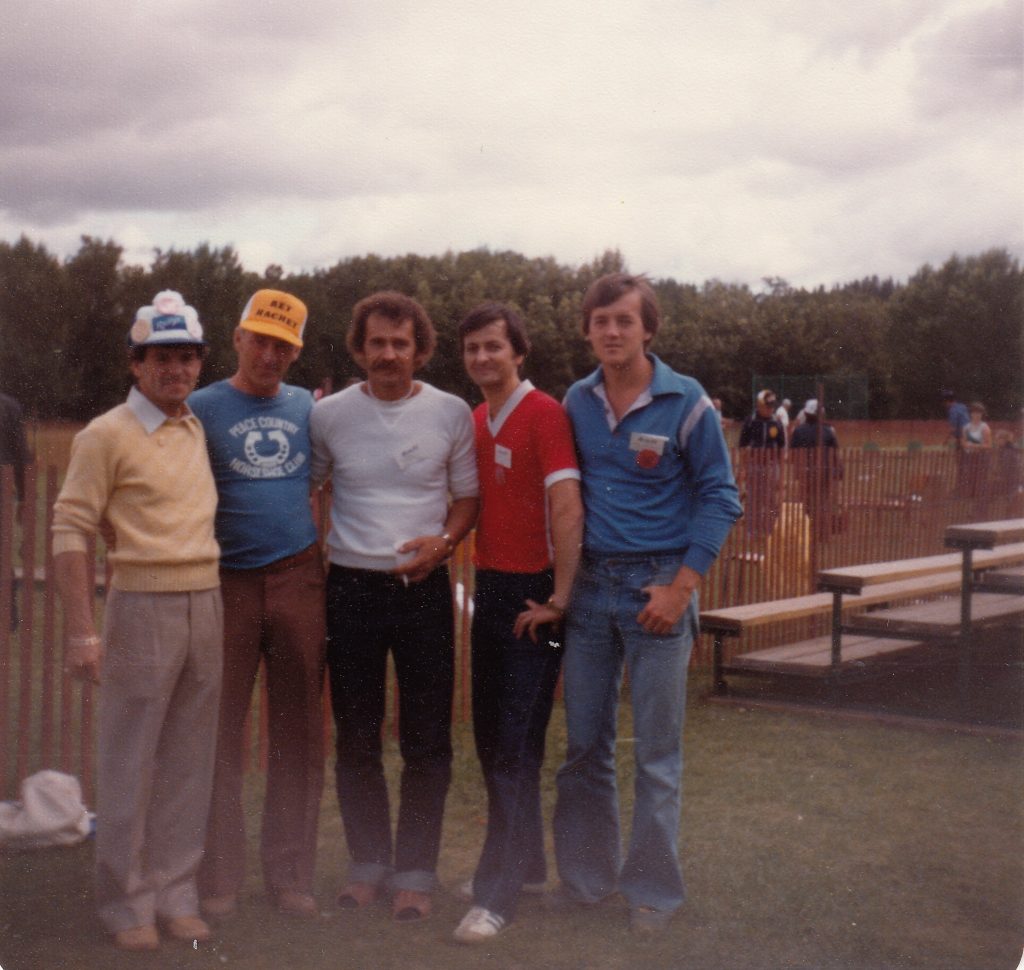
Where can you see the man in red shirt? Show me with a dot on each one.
(527, 549)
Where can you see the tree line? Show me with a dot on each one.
(63, 323)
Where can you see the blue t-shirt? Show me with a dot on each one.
(658, 480)
(958, 418)
(260, 453)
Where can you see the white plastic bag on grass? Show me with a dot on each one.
(50, 812)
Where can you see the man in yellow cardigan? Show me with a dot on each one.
(142, 468)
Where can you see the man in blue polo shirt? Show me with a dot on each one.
(659, 501)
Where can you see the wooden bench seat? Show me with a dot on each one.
(1009, 580)
(857, 635)
(985, 535)
(813, 658)
(942, 618)
(854, 579)
(733, 620)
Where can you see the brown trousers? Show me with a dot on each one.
(275, 613)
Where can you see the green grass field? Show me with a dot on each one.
(809, 842)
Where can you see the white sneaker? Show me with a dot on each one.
(465, 890)
(478, 926)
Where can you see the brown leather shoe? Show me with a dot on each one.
(187, 928)
(219, 907)
(291, 902)
(410, 906)
(357, 895)
(137, 938)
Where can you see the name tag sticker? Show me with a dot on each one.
(638, 441)
(408, 455)
(502, 456)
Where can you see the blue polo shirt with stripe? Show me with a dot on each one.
(660, 479)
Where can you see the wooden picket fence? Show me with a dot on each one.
(887, 503)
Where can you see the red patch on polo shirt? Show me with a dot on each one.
(647, 458)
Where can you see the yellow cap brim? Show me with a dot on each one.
(271, 329)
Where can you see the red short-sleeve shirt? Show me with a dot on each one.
(526, 449)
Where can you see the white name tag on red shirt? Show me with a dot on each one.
(502, 456)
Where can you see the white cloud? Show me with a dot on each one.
(974, 64)
(809, 141)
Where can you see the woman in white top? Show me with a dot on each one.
(976, 434)
(976, 439)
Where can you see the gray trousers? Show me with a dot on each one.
(158, 703)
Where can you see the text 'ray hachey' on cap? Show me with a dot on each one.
(275, 314)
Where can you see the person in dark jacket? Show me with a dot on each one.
(763, 441)
(14, 451)
(816, 473)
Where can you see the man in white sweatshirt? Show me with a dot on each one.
(401, 460)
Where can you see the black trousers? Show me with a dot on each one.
(370, 613)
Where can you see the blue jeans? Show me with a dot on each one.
(602, 637)
(368, 614)
(513, 690)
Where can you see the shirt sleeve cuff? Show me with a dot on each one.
(699, 560)
(69, 542)
(561, 476)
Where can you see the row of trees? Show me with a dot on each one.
(63, 324)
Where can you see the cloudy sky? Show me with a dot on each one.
(815, 140)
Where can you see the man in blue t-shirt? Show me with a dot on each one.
(272, 580)
(959, 418)
(659, 501)
(957, 415)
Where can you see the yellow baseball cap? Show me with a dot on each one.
(276, 314)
